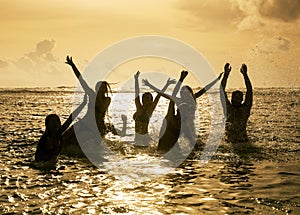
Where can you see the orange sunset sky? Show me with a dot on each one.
(36, 36)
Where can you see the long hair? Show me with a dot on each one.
(190, 90)
(107, 90)
(106, 85)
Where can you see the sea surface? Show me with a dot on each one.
(262, 177)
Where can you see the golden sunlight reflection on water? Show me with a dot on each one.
(140, 168)
(260, 178)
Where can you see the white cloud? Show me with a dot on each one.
(39, 67)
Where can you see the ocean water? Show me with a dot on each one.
(262, 177)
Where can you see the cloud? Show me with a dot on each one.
(241, 14)
(44, 47)
(39, 67)
(210, 13)
(40, 60)
(263, 13)
(42, 53)
(285, 10)
(250, 22)
(273, 45)
(3, 64)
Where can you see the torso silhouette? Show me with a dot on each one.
(236, 123)
(142, 118)
(48, 147)
(170, 130)
(100, 111)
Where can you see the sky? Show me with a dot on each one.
(37, 36)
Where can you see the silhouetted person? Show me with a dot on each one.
(238, 111)
(186, 104)
(170, 130)
(144, 112)
(98, 104)
(49, 145)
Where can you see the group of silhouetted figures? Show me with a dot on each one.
(87, 131)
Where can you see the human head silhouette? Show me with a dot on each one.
(186, 92)
(52, 123)
(236, 98)
(147, 98)
(102, 88)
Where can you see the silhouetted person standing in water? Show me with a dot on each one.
(49, 145)
(144, 112)
(238, 111)
(170, 130)
(183, 121)
(98, 105)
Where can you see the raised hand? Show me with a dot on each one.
(244, 69)
(227, 68)
(124, 117)
(183, 74)
(146, 82)
(137, 74)
(171, 81)
(69, 61)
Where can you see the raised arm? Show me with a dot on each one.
(84, 85)
(227, 69)
(171, 108)
(137, 90)
(176, 89)
(122, 132)
(183, 75)
(75, 113)
(169, 82)
(249, 93)
(160, 92)
(208, 86)
(124, 127)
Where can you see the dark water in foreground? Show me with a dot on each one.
(259, 178)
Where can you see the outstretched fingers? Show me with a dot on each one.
(146, 82)
(171, 81)
(69, 60)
